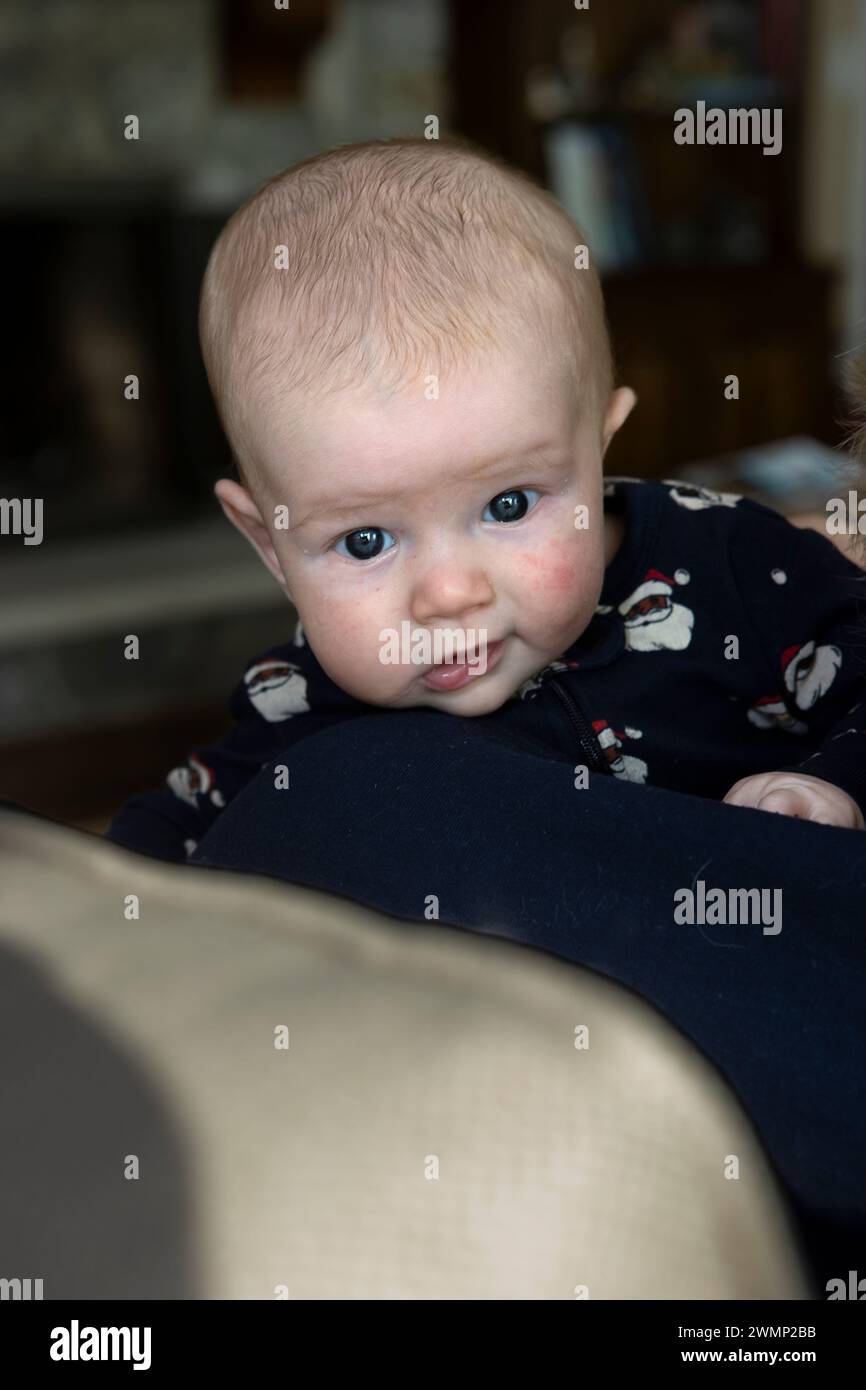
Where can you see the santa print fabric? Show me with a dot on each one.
(812, 626)
(726, 642)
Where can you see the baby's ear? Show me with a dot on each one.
(242, 512)
(621, 404)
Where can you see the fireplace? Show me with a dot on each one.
(104, 405)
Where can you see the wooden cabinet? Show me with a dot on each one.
(678, 334)
(679, 326)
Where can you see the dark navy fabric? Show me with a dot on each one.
(726, 642)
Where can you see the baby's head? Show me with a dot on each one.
(411, 362)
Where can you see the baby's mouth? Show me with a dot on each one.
(453, 675)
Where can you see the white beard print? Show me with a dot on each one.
(811, 673)
(628, 768)
(625, 766)
(277, 690)
(670, 631)
(775, 715)
(695, 498)
(191, 781)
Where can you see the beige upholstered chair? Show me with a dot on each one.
(431, 1130)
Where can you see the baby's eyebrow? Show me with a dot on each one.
(333, 507)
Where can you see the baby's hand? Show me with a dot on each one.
(796, 794)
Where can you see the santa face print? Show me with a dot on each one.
(277, 689)
(771, 712)
(695, 499)
(810, 671)
(652, 621)
(625, 766)
(196, 779)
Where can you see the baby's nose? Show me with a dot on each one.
(448, 591)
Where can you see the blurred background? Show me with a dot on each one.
(717, 260)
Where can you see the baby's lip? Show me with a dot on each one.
(453, 675)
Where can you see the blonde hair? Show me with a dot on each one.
(400, 257)
(855, 383)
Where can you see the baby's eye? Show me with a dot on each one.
(365, 544)
(510, 506)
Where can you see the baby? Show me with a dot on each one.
(406, 341)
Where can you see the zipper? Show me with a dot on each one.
(585, 732)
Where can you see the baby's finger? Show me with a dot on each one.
(747, 792)
(786, 801)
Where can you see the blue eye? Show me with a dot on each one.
(365, 544)
(510, 506)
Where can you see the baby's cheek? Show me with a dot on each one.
(340, 625)
(557, 571)
(346, 638)
(559, 590)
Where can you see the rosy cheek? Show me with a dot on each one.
(554, 572)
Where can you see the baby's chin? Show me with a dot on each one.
(482, 695)
(478, 698)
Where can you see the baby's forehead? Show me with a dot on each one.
(500, 387)
(511, 409)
